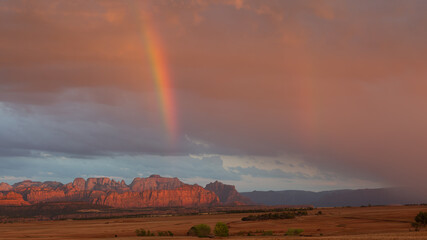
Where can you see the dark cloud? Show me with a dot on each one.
(339, 83)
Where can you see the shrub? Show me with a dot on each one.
(294, 232)
(201, 230)
(283, 215)
(421, 218)
(141, 232)
(420, 221)
(221, 229)
(164, 233)
(267, 233)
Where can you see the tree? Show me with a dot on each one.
(421, 218)
(221, 229)
(420, 221)
(201, 230)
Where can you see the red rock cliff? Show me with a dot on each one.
(12, 199)
(155, 182)
(227, 194)
(5, 187)
(154, 191)
(184, 196)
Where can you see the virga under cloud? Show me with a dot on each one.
(337, 84)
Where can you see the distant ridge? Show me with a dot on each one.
(228, 194)
(337, 198)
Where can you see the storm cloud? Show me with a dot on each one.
(339, 85)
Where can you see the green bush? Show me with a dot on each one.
(420, 221)
(221, 229)
(267, 233)
(421, 218)
(164, 233)
(294, 232)
(268, 216)
(283, 215)
(201, 230)
(141, 232)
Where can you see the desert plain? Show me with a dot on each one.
(377, 222)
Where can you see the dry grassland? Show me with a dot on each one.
(390, 222)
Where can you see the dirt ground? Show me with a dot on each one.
(388, 222)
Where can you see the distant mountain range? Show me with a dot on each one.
(154, 191)
(157, 191)
(337, 198)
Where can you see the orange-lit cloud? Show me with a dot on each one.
(340, 83)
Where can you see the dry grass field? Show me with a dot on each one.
(388, 222)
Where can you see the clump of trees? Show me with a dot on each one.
(203, 230)
(256, 233)
(283, 215)
(221, 229)
(420, 221)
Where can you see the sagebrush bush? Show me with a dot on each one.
(164, 233)
(294, 232)
(201, 230)
(141, 232)
(221, 229)
(420, 221)
(421, 218)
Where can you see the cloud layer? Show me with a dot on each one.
(340, 84)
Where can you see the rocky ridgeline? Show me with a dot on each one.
(228, 194)
(154, 191)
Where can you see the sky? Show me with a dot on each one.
(266, 95)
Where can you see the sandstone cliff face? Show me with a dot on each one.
(105, 184)
(184, 196)
(154, 191)
(37, 195)
(5, 187)
(227, 194)
(79, 184)
(12, 199)
(155, 182)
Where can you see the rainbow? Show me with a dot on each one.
(160, 74)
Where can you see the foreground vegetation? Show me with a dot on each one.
(283, 215)
(146, 233)
(388, 222)
(203, 230)
(420, 221)
(294, 232)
